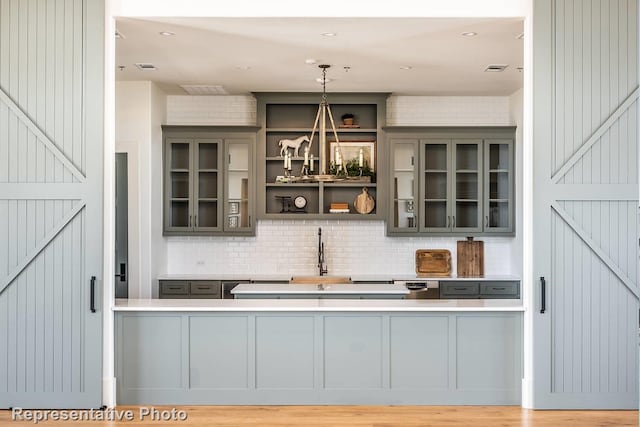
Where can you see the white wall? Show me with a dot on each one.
(140, 110)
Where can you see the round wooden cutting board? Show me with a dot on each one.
(364, 203)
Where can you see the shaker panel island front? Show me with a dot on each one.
(319, 351)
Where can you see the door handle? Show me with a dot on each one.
(543, 295)
(92, 301)
(123, 272)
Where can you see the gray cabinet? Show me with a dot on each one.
(208, 188)
(469, 289)
(451, 182)
(290, 116)
(185, 289)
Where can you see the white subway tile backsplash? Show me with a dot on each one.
(290, 247)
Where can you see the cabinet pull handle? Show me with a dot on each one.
(189, 221)
(454, 222)
(460, 289)
(249, 220)
(196, 221)
(543, 290)
(486, 221)
(92, 290)
(448, 221)
(499, 289)
(411, 160)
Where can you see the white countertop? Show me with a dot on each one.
(313, 289)
(317, 305)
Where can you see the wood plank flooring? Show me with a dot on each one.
(367, 416)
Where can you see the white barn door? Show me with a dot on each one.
(51, 154)
(585, 202)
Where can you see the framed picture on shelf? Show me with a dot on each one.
(351, 151)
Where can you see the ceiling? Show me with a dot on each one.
(268, 54)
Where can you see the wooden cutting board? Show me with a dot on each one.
(433, 263)
(470, 258)
(363, 202)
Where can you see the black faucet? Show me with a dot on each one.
(321, 265)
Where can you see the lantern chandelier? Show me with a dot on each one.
(324, 110)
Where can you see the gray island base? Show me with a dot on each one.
(338, 352)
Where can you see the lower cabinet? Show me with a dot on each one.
(178, 289)
(466, 289)
(306, 358)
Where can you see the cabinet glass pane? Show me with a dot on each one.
(207, 185)
(435, 185)
(467, 157)
(179, 185)
(207, 214)
(466, 215)
(499, 156)
(467, 186)
(435, 214)
(404, 175)
(179, 156)
(179, 213)
(498, 185)
(435, 157)
(208, 156)
(238, 186)
(498, 214)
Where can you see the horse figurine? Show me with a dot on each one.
(285, 144)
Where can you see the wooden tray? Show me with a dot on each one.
(433, 263)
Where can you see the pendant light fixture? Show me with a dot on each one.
(324, 110)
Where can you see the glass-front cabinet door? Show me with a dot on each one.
(404, 209)
(498, 185)
(208, 185)
(179, 184)
(435, 186)
(466, 195)
(238, 199)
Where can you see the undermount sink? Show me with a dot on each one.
(320, 280)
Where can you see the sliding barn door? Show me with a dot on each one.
(51, 153)
(585, 231)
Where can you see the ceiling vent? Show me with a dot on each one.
(145, 66)
(495, 68)
(204, 89)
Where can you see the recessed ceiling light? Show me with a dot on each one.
(319, 80)
(167, 33)
(470, 34)
(329, 34)
(146, 66)
(310, 61)
(405, 67)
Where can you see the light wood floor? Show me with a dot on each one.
(370, 416)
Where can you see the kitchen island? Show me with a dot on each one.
(319, 351)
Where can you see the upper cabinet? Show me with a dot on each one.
(208, 187)
(286, 122)
(457, 181)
